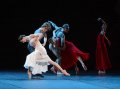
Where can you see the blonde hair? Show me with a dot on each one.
(46, 24)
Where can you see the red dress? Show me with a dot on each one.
(70, 55)
(102, 59)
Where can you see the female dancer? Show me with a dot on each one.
(102, 59)
(37, 61)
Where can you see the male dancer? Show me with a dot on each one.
(59, 46)
(46, 26)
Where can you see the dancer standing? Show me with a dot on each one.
(102, 58)
(47, 26)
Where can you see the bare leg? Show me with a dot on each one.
(82, 63)
(29, 73)
(58, 66)
(54, 69)
(77, 70)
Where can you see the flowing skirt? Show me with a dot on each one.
(102, 59)
(70, 55)
(37, 61)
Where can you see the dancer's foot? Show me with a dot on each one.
(101, 72)
(29, 75)
(41, 75)
(77, 70)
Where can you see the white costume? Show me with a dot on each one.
(38, 59)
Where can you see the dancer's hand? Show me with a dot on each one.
(65, 73)
(49, 21)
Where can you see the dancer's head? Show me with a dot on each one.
(66, 27)
(22, 38)
(104, 25)
(99, 19)
(46, 26)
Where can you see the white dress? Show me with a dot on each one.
(37, 60)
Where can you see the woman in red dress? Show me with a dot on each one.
(102, 58)
(71, 54)
(68, 54)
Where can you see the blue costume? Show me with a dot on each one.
(30, 48)
(58, 34)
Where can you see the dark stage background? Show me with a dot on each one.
(24, 17)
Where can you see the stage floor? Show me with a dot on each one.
(19, 80)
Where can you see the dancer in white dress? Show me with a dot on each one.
(37, 61)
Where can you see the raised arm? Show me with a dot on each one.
(103, 23)
(54, 25)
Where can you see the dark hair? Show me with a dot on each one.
(20, 37)
(66, 26)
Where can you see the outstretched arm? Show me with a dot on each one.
(31, 36)
(37, 36)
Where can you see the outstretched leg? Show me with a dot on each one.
(58, 66)
(56, 52)
(82, 63)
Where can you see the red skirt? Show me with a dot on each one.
(102, 59)
(70, 55)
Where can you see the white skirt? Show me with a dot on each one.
(37, 61)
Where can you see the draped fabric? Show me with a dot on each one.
(102, 59)
(70, 55)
